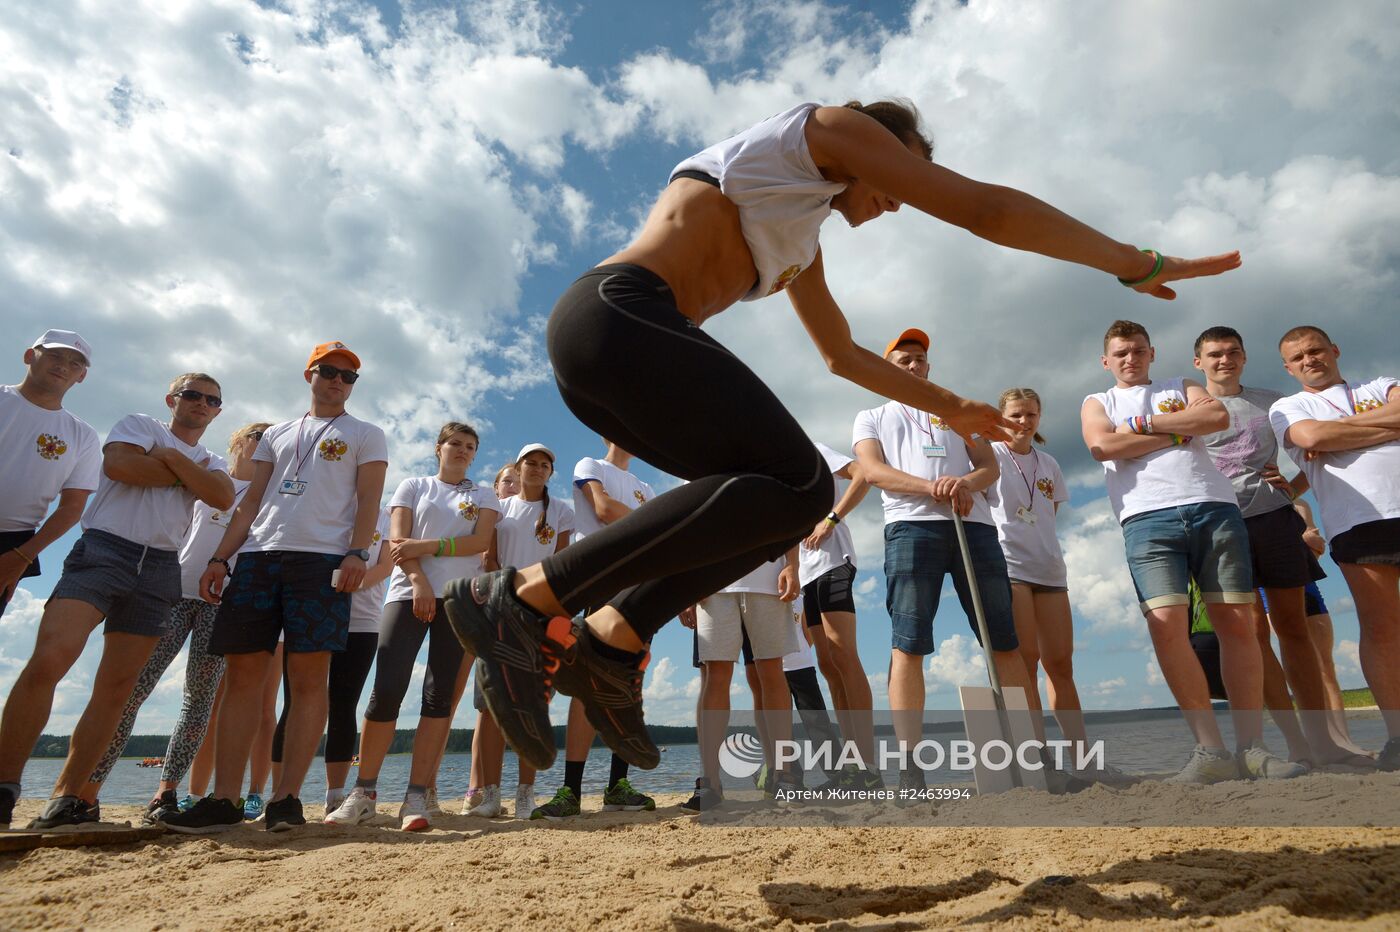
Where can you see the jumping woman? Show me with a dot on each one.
(738, 221)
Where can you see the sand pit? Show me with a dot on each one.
(665, 870)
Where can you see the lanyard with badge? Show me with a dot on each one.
(295, 485)
(1025, 512)
(1351, 401)
(931, 449)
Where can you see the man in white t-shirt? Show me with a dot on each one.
(1180, 520)
(126, 569)
(1346, 437)
(1247, 453)
(45, 453)
(604, 492)
(302, 535)
(923, 470)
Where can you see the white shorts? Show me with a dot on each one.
(722, 619)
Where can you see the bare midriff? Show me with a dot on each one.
(693, 240)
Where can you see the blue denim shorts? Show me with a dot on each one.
(918, 554)
(1166, 548)
(134, 586)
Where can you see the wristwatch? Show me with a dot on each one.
(362, 554)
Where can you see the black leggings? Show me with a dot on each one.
(400, 637)
(344, 683)
(637, 371)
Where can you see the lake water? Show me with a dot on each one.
(1153, 746)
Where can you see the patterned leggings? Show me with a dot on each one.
(193, 618)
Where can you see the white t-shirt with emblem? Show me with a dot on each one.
(922, 445)
(326, 454)
(42, 453)
(152, 516)
(440, 509)
(762, 581)
(1167, 478)
(206, 530)
(367, 605)
(618, 483)
(1352, 486)
(800, 659)
(518, 544)
(838, 549)
(1029, 484)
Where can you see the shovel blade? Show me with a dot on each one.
(983, 724)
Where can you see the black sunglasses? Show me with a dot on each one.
(255, 436)
(190, 394)
(348, 376)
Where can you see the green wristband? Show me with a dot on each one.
(1156, 270)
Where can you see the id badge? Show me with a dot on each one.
(292, 487)
(1026, 515)
(932, 450)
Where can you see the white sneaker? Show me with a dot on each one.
(1257, 763)
(490, 806)
(413, 813)
(434, 809)
(475, 797)
(1207, 765)
(524, 800)
(356, 809)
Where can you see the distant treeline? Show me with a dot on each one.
(458, 741)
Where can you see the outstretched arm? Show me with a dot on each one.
(830, 331)
(849, 143)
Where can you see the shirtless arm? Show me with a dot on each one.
(855, 144)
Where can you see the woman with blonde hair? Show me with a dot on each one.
(1025, 500)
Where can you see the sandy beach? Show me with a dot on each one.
(798, 870)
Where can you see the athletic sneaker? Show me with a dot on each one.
(475, 797)
(7, 809)
(1256, 763)
(1207, 765)
(283, 814)
(611, 693)
(912, 786)
(524, 800)
(622, 797)
(187, 803)
(1387, 762)
(853, 777)
(564, 805)
(253, 807)
(205, 817)
(356, 809)
(434, 810)
(764, 779)
(334, 798)
(413, 812)
(705, 798)
(164, 805)
(518, 651)
(1108, 775)
(490, 805)
(60, 812)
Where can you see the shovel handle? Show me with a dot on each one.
(977, 609)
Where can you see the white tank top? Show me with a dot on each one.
(1180, 475)
(782, 198)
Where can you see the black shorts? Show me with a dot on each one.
(1280, 558)
(9, 540)
(829, 592)
(1372, 542)
(282, 592)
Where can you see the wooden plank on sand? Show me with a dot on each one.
(114, 835)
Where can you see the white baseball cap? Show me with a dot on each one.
(535, 448)
(64, 339)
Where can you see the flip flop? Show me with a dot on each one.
(1352, 763)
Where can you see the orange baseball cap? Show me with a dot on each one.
(912, 335)
(323, 350)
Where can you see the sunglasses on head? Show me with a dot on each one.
(255, 435)
(190, 394)
(348, 376)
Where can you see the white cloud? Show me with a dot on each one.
(1154, 673)
(958, 661)
(1347, 657)
(1101, 587)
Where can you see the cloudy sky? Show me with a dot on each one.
(222, 184)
